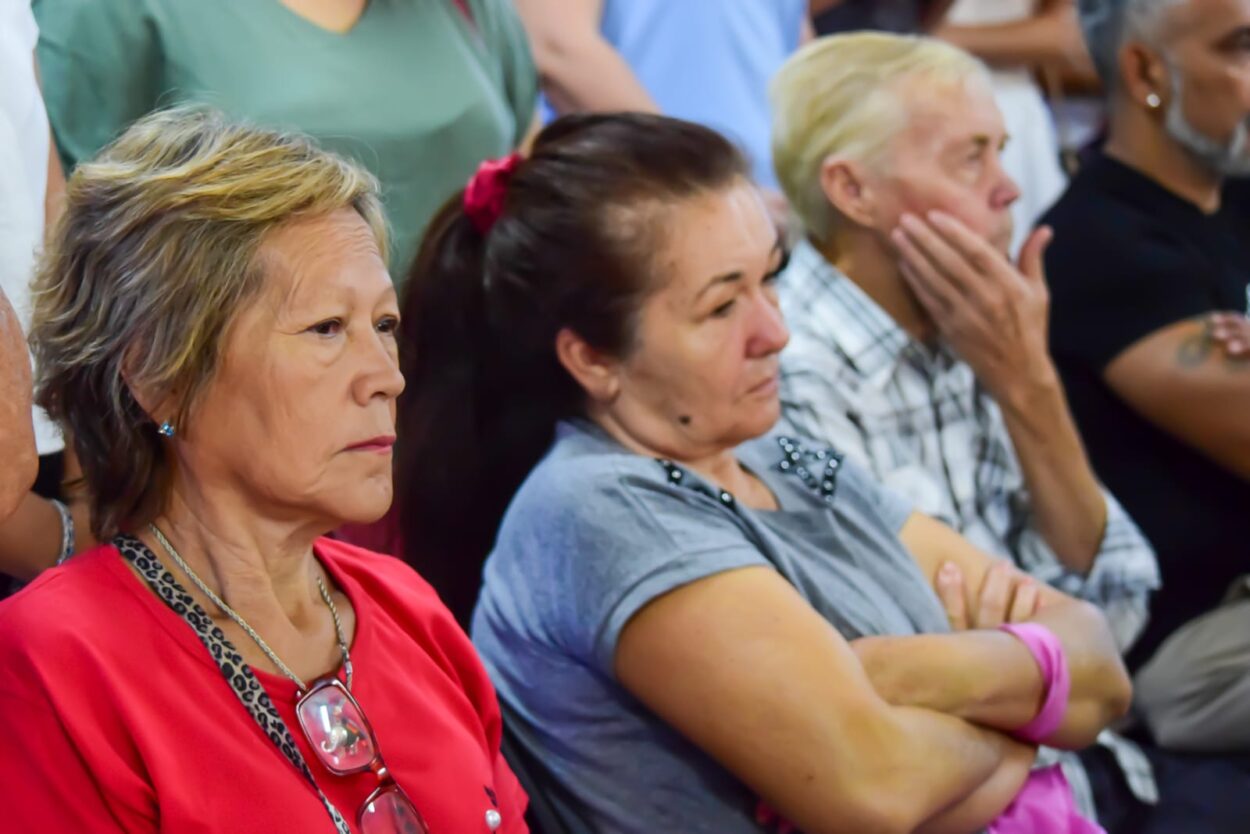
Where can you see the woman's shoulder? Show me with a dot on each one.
(82, 607)
(79, 586)
(583, 465)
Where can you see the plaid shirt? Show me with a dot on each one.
(920, 421)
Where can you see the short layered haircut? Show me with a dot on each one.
(155, 254)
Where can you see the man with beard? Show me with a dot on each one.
(1150, 239)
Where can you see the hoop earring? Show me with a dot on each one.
(166, 429)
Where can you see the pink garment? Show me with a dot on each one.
(1044, 806)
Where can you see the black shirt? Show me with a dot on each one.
(1130, 258)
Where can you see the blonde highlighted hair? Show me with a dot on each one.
(842, 96)
(155, 254)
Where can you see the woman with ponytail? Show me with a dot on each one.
(696, 623)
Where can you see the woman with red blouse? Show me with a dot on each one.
(216, 325)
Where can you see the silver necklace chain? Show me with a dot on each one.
(251, 632)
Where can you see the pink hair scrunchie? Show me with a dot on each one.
(485, 192)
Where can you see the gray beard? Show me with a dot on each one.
(1226, 159)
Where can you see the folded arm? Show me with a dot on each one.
(1049, 37)
(741, 665)
(989, 676)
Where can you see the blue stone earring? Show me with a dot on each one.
(166, 429)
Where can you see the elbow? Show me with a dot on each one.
(1120, 695)
(1114, 691)
(1105, 691)
(558, 54)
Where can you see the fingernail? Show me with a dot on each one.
(949, 569)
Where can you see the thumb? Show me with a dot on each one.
(1030, 262)
(950, 591)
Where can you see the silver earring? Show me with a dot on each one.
(166, 429)
(1153, 101)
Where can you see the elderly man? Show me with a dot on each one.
(919, 349)
(1150, 239)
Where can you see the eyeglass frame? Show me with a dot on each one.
(376, 765)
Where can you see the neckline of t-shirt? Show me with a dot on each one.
(304, 22)
(277, 685)
(778, 486)
(1134, 184)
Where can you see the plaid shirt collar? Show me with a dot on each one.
(845, 317)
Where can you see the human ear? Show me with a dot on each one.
(597, 373)
(849, 189)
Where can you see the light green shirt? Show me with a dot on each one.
(414, 91)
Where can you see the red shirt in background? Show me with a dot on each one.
(116, 719)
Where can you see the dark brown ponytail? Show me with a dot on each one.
(571, 248)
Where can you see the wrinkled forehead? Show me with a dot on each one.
(940, 115)
(716, 233)
(334, 256)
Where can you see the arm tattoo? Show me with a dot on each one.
(1199, 347)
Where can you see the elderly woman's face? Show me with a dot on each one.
(704, 370)
(300, 417)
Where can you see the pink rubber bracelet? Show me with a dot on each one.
(1051, 659)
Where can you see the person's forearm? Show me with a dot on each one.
(987, 802)
(944, 761)
(991, 678)
(1020, 43)
(588, 75)
(21, 468)
(1068, 506)
(17, 430)
(30, 538)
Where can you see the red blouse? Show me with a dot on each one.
(117, 720)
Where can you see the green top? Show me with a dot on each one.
(413, 91)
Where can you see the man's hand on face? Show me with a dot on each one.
(993, 313)
(1005, 597)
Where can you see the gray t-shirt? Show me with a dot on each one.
(594, 534)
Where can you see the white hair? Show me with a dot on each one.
(1229, 158)
(843, 95)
